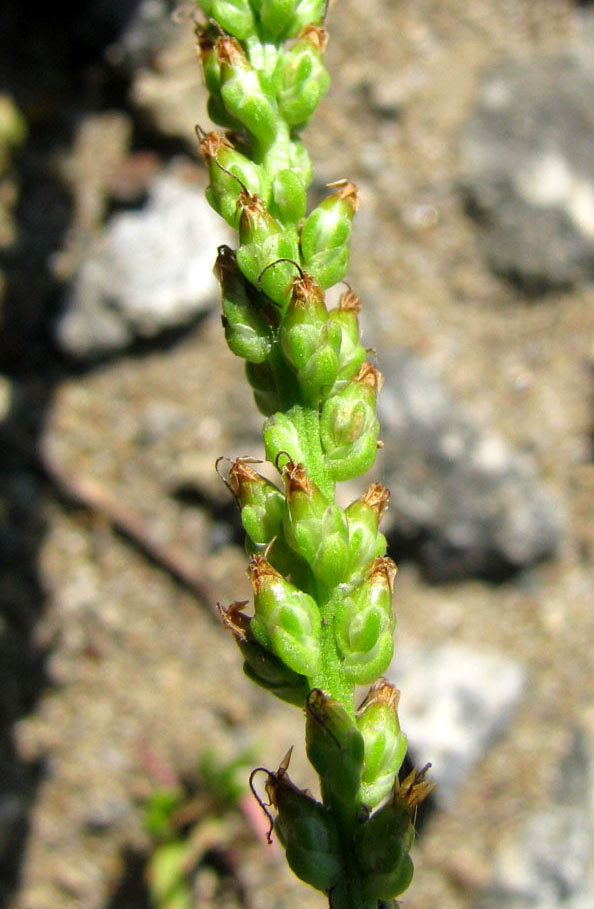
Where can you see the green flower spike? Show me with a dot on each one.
(322, 619)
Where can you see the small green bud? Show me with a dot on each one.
(243, 94)
(229, 172)
(288, 202)
(287, 620)
(364, 515)
(275, 17)
(364, 625)
(246, 331)
(307, 830)
(313, 527)
(335, 748)
(260, 665)
(349, 426)
(206, 38)
(234, 16)
(265, 247)
(326, 236)
(262, 504)
(307, 11)
(385, 744)
(352, 354)
(300, 77)
(300, 161)
(281, 437)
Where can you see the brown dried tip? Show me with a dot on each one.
(229, 52)
(370, 376)
(377, 497)
(306, 290)
(205, 42)
(234, 620)
(252, 208)
(382, 692)
(316, 35)
(226, 262)
(347, 192)
(241, 475)
(210, 143)
(409, 794)
(385, 569)
(350, 302)
(261, 572)
(296, 480)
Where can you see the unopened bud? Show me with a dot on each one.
(314, 527)
(288, 202)
(262, 504)
(335, 748)
(326, 236)
(242, 92)
(301, 79)
(352, 354)
(385, 744)
(349, 426)
(281, 439)
(364, 625)
(364, 515)
(287, 620)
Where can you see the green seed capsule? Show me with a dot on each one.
(308, 832)
(364, 515)
(287, 621)
(364, 625)
(352, 354)
(385, 744)
(300, 78)
(313, 527)
(243, 94)
(260, 665)
(326, 236)
(349, 426)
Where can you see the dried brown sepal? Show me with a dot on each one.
(296, 480)
(261, 572)
(350, 302)
(370, 376)
(346, 192)
(376, 497)
(381, 692)
(316, 35)
(413, 790)
(385, 569)
(210, 143)
(235, 620)
(306, 291)
(229, 52)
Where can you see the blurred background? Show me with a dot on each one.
(126, 726)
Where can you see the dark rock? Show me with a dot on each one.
(528, 170)
(462, 503)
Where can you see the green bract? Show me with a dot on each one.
(322, 619)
